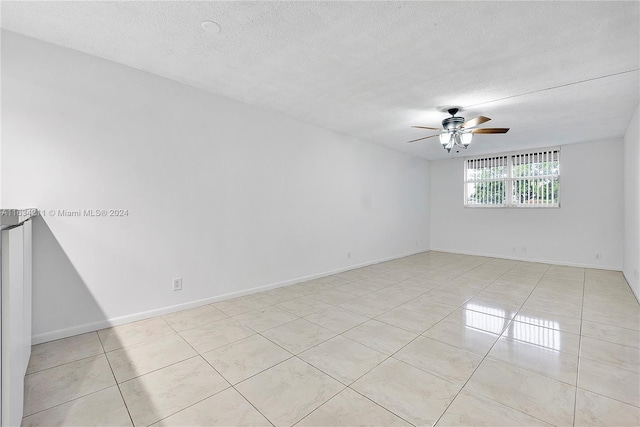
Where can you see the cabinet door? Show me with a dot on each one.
(12, 326)
(26, 292)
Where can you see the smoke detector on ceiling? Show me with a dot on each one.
(210, 27)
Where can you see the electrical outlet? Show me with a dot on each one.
(598, 256)
(523, 249)
(416, 243)
(348, 254)
(514, 249)
(177, 284)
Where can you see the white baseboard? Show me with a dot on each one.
(95, 326)
(543, 261)
(635, 293)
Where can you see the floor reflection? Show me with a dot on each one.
(493, 311)
(529, 329)
(486, 319)
(538, 335)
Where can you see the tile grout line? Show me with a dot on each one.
(329, 375)
(157, 369)
(406, 302)
(389, 272)
(69, 401)
(198, 354)
(173, 364)
(491, 348)
(510, 321)
(419, 335)
(575, 395)
(234, 385)
(64, 363)
(375, 318)
(611, 398)
(391, 356)
(115, 380)
(456, 308)
(346, 309)
(362, 395)
(580, 338)
(348, 386)
(292, 355)
(79, 397)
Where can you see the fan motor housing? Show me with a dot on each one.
(452, 122)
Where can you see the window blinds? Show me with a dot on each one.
(524, 179)
(535, 178)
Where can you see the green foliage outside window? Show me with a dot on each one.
(488, 193)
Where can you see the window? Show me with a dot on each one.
(524, 179)
(486, 181)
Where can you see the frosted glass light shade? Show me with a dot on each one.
(445, 138)
(465, 139)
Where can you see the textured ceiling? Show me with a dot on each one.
(554, 72)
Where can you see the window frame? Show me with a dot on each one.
(510, 179)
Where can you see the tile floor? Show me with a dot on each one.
(429, 339)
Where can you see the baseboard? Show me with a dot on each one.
(635, 293)
(544, 261)
(107, 323)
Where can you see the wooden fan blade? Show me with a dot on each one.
(426, 127)
(490, 130)
(426, 137)
(474, 122)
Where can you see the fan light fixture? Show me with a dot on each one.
(456, 132)
(453, 132)
(455, 137)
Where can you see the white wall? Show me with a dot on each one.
(589, 221)
(228, 196)
(631, 267)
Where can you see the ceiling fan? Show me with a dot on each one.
(458, 132)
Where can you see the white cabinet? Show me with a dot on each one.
(15, 315)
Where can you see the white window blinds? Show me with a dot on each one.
(486, 180)
(536, 178)
(524, 179)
